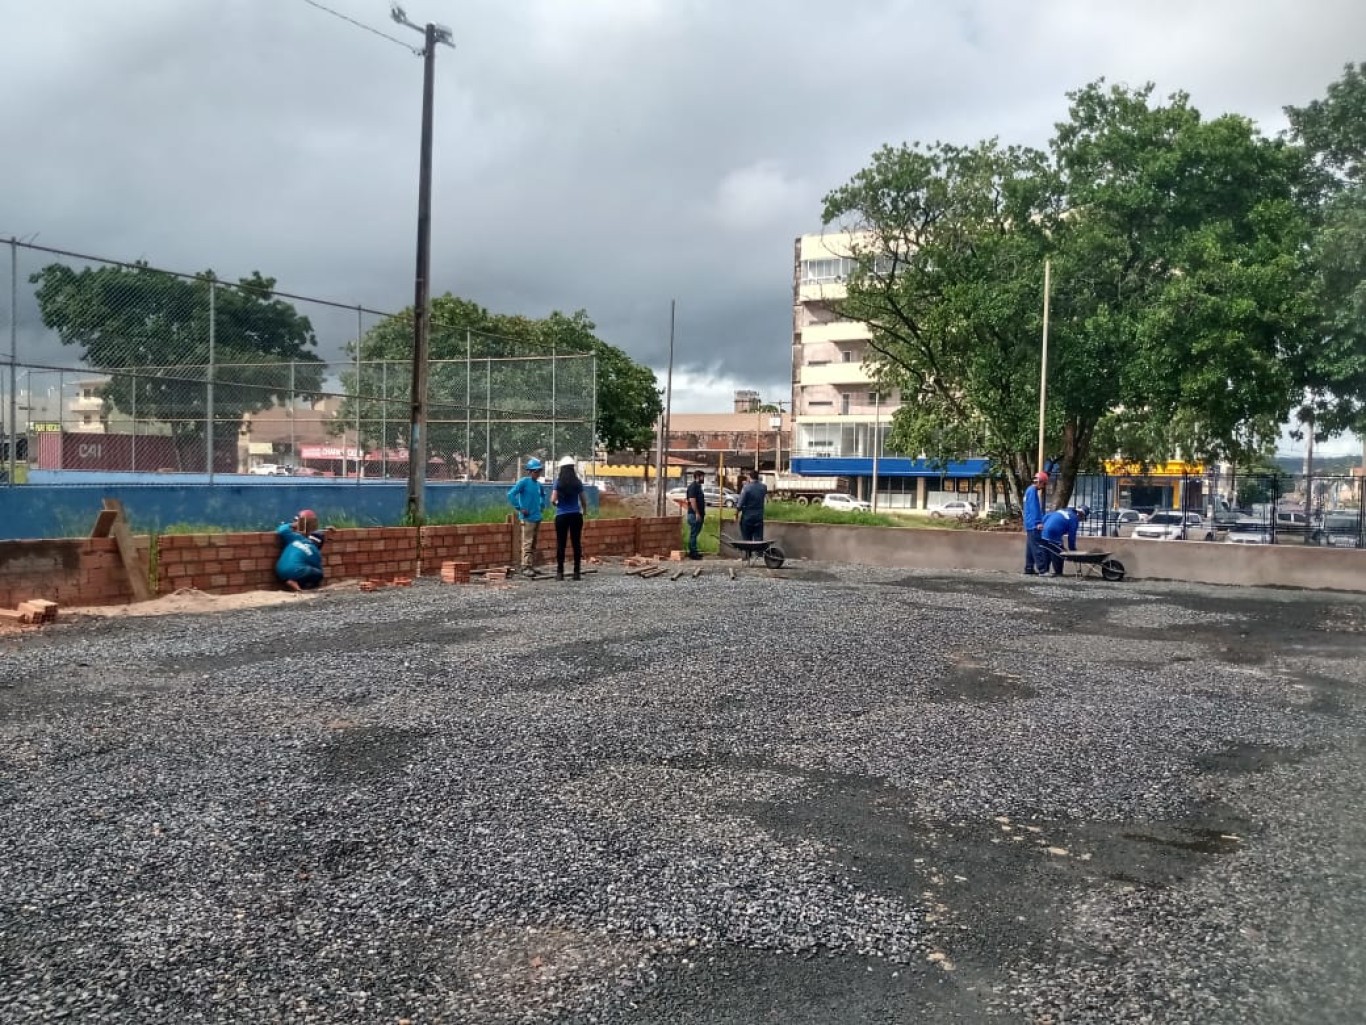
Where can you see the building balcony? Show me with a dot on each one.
(836, 332)
(833, 373)
(818, 291)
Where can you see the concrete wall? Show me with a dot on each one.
(1214, 562)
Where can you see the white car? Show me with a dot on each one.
(1248, 532)
(268, 470)
(1171, 525)
(958, 510)
(849, 503)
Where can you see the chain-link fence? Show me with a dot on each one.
(1261, 508)
(118, 366)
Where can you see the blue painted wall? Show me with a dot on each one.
(155, 501)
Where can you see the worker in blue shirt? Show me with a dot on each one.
(528, 499)
(1033, 519)
(300, 565)
(1057, 525)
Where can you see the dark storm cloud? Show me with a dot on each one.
(601, 154)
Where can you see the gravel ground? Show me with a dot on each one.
(829, 794)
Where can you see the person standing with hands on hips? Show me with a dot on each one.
(571, 505)
(1033, 520)
(697, 512)
(750, 509)
(526, 497)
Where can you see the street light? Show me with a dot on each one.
(877, 425)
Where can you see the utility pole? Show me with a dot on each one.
(1043, 365)
(662, 472)
(422, 314)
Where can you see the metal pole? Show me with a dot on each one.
(877, 418)
(488, 418)
(661, 478)
(554, 451)
(133, 444)
(469, 444)
(1043, 367)
(360, 330)
(384, 419)
(593, 419)
(14, 354)
(293, 416)
(208, 401)
(417, 441)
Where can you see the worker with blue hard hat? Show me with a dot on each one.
(528, 499)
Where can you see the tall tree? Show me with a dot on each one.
(150, 332)
(504, 386)
(1333, 129)
(1177, 253)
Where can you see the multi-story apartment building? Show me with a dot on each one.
(840, 420)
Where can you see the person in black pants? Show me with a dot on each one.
(697, 512)
(570, 504)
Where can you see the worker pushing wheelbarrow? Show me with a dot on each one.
(749, 512)
(1059, 527)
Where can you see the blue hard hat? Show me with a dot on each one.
(533, 463)
(1083, 511)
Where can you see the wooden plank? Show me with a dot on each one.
(128, 553)
(103, 523)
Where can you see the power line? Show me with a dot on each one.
(362, 25)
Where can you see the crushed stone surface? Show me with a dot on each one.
(823, 794)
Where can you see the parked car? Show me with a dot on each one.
(1249, 532)
(1121, 522)
(268, 470)
(719, 496)
(1338, 530)
(958, 509)
(715, 496)
(849, 503)
(1173, 525)
(1289, 521)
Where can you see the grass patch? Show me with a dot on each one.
(791, 512)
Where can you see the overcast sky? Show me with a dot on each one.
(608, 155)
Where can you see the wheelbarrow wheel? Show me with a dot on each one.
(773, 557)
(1112, 569)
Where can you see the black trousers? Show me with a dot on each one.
(568, 527)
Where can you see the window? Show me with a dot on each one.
(830, 270)
(844, 405)
(846, 356)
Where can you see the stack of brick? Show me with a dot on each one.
(453, 572)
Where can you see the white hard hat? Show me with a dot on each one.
(566, 461)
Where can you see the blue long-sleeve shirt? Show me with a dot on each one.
(527, 498)
(750, 504)
(1059, 524)
(1033, 507)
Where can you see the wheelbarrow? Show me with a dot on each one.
(772, 554)
(1090, 563)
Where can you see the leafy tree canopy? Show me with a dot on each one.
(493, 393)
(1334, 131)
(149, 330)
(1178, 313)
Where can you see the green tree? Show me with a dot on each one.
(1333, 129)
(1176, 247)
(150, 332)
(503, 386)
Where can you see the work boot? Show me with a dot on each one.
(577, 576)
(559, 574)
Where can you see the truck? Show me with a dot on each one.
(793, 487)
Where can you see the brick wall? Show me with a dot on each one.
(69, 571)
(89, 571)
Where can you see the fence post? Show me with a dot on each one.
(13, 356)
(208, 381)
(468, 411)
(360, 330)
